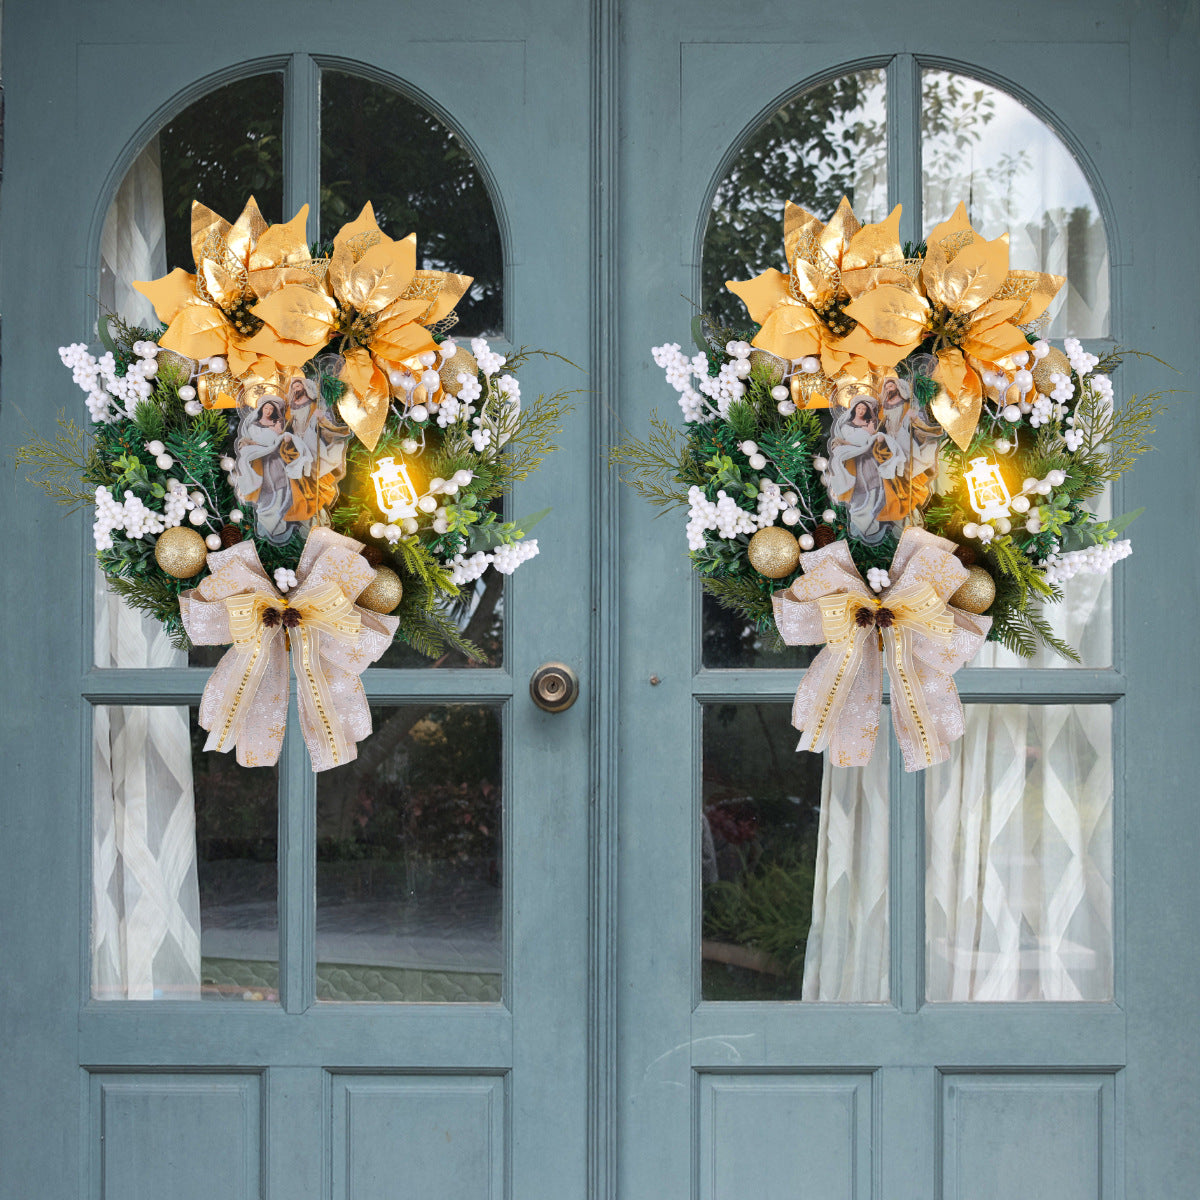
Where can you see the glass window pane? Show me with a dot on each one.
(828, 142)
(480, 619)
(419, 177)
(981, 146)
(220, 150)
(794, 864)
(1019, 850)
(185, 884)
(730, 640)
(409, 899)
(1083, 619)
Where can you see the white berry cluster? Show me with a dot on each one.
(468, 568)
(1092, 560)
(878, 578)
(176, 503)
(1063, 389)
(506, 558)
(723, 515)
(132, 516)
(109, 395)
(703, 397)
(1073, 435)
(285, 579)
(1081, 361)
(489, 361)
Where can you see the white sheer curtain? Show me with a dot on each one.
(1018, 849)
(1018, 884)
(145, 894)
(848, 949)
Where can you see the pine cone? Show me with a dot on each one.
(372, 554)
(965, 555)
(824, 535)
(230, 535)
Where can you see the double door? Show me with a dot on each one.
(987, 989)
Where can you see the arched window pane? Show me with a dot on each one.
(981, 146)
(378, 145)
(221, 151)
(828, 142)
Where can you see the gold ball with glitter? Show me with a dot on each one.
(383, 593)
(977, 592)
(1054, 363)
(461, 362)
(180, 552)
(774, 552)
(769, 365)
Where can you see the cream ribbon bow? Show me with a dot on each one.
(332, 641)
(910, 627)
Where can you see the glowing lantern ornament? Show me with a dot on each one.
(988, 492)
(394, 490)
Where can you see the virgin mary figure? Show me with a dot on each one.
(863, 459)
(271, 463)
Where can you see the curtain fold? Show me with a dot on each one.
(145, 891)
(1019, 859)
(848, 950)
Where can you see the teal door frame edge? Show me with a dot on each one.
(604, 595)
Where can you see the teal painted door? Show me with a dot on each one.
(393, 975)
(603, 1029)
(947, 1033)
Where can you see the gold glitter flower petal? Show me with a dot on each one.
(971, 278)
(297, 322)
(790, 331)
(222, 285)
(198, 331)
(892, 322)
(170, 293)
(762, 293)
(280, 245)
(245, 231)
(378, 278)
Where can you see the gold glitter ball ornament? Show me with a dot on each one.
(383, 593)
(461, 362)
(771, 365)
(977, 593)
(774, 552)
(180, 552)
(1054, 363)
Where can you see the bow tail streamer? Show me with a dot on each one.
(251, 681)
(321, 712)
(837, 703)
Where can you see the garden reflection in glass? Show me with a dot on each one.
(409, 896)
(828, 142)
(421, 176)
(1020, 178)
(794, 865)
(185, 883)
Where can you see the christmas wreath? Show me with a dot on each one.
(891, 458)
(300, 458)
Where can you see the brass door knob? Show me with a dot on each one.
(554, 687)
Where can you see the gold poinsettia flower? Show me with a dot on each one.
(375, 300)
(850, 297)
(977, 307)
(209, 314)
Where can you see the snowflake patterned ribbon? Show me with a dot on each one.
(332, 641)
(910, 627)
